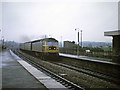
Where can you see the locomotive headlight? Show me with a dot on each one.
(52, 48)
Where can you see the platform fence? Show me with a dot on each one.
(92, 53)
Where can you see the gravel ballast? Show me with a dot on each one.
(79, 78)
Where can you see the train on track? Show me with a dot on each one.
(43, 47)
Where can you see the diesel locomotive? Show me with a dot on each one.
(42, 47)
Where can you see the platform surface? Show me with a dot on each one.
(109, 61)
(18, 73)
(15, 76)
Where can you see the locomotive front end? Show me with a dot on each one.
(52, 47)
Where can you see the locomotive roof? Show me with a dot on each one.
(45, 39)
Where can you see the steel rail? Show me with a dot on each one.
(92, 73)
(58, 78)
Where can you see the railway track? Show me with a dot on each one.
(90, 72)
(63, 81)
(106, 69)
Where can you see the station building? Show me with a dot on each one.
(115, 44)
(116, 39)
(69, 44)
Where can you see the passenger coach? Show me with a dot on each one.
(42, 47)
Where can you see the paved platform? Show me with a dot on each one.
(101, 60)
(16, 73)
(15, 76)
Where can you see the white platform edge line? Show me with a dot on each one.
(46, 81)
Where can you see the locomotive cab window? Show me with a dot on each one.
(55, 43)
(48, 43)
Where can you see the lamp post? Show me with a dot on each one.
(81, 38)
(78, 42)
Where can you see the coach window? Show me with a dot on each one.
(48, 43)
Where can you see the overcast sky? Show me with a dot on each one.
(24, 21)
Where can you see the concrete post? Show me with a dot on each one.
(116, 48)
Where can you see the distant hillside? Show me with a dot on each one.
(96, 44)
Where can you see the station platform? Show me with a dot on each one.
(16, 73)
(101, 60)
